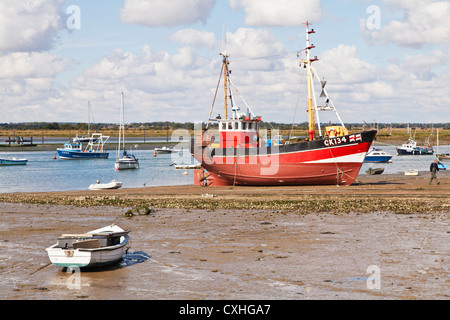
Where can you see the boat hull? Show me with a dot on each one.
(124, 165)
(404, 152)
(443, 157)
(104, 186)
(334, 161)
(86, 257)
(75, 155)
(66, 254)
(13, 162)
(164, 150)
(412, 172)
(386, 158)
(126, 162)
(375, 171)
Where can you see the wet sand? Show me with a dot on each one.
(203, 243)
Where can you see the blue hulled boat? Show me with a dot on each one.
(411, 148)
(377, 155)
(442, 166)
(94, 148)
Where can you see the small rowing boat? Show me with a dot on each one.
(95, 248)
(13, 162)
(374, 171)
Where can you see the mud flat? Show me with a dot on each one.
(385, 237)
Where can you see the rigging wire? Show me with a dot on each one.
(297, 103)
(252, 59)
(231, 82)
(215, 95)
(265, 57)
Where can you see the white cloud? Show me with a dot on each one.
(425, 22)
(279, 13)
(415, 86)
(157, 85)
(29, 25)
(166, 13)
(194, 37)
(28, 84)
(30, 65)
(251, 49)
(181, 86)
(253, 43)
(424, 66)
(343, 65)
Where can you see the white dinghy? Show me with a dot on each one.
(95, 248)
(411, 172)
(101, 186)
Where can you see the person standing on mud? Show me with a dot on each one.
(433, 168)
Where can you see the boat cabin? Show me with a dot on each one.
(239, 132)
(73, 146)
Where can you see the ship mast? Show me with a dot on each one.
(225, 81)
(307, 62)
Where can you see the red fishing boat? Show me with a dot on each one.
(242, 156)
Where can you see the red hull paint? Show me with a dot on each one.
(318, 165)
(292, 174)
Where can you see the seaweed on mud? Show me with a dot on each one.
(144, 205)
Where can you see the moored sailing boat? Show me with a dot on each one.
(124, 159)
(241, 157)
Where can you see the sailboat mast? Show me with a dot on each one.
(123, 122)
(121, 131)
(89, 118)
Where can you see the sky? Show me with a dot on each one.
(384, 61)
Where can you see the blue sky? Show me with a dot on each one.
(384, 60)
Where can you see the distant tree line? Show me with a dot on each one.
(165, 125)
(168, 125)
(43, 126)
